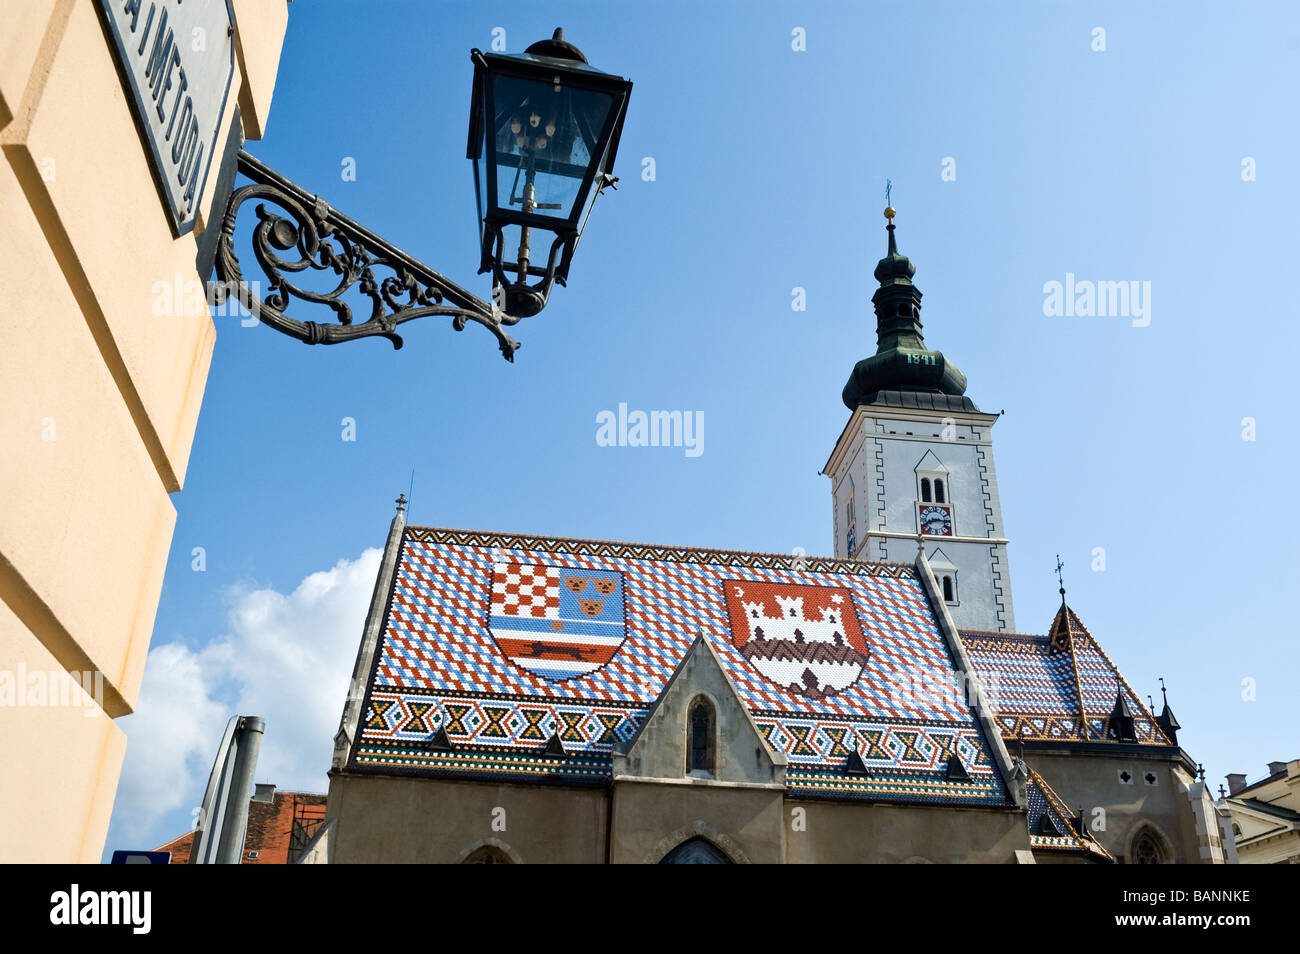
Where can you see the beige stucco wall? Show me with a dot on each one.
(102, 370)
(60, 761)
(380, 819)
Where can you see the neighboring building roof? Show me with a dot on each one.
(1271, 777)
(1277, 811)
(1038, 685)
(496, 647)
(277, 830)
(1264, 832)
(1053, 827)
(181, 847)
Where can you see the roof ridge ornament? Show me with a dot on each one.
(890, 212)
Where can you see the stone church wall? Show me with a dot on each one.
(388, 820)
(1093, 781)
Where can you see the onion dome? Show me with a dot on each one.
(902, 363)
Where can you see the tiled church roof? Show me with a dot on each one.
(493, 646)
(1053, 827)
(1038, 685)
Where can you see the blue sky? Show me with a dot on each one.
(770, 164)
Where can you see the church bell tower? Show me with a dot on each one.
(916, 461)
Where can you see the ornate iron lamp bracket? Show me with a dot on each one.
(399, 287)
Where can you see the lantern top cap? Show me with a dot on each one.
(557, 48)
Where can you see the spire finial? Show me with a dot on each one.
(1164, 695)
(1059, 578)
(890, 212)
(401, 502)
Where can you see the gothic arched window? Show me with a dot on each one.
(1147, 850)
(696, 851)
(925, 490)
(700, 747)
(938, 491)
(947, 589)
(487, 855)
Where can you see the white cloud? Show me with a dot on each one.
(286, 658)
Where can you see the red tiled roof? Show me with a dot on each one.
(271, 828)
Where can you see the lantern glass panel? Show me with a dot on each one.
(548, 132)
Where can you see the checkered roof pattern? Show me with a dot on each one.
(1035, 691)
(439, 665)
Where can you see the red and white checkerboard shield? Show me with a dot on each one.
(557, 622)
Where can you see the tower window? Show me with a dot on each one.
(947, 590)
(938, 490)
(925, 490)
(700, 748)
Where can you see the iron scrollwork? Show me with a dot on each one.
(399, 287)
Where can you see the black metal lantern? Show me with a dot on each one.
(543, 130)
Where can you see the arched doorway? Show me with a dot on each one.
(695, 851)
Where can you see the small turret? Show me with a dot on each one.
(1166, 720)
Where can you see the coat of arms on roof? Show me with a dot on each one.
(803, 638)
(557, 622)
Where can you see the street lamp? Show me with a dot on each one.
(543, 131)
(544, 128)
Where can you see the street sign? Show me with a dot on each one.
(141, 858)
(177, 59)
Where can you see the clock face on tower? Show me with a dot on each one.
(935, 521)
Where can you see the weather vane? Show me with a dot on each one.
(889, 187)
(1059, 578)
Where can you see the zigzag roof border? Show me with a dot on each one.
(668, 554)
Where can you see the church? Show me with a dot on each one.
(523, 698)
